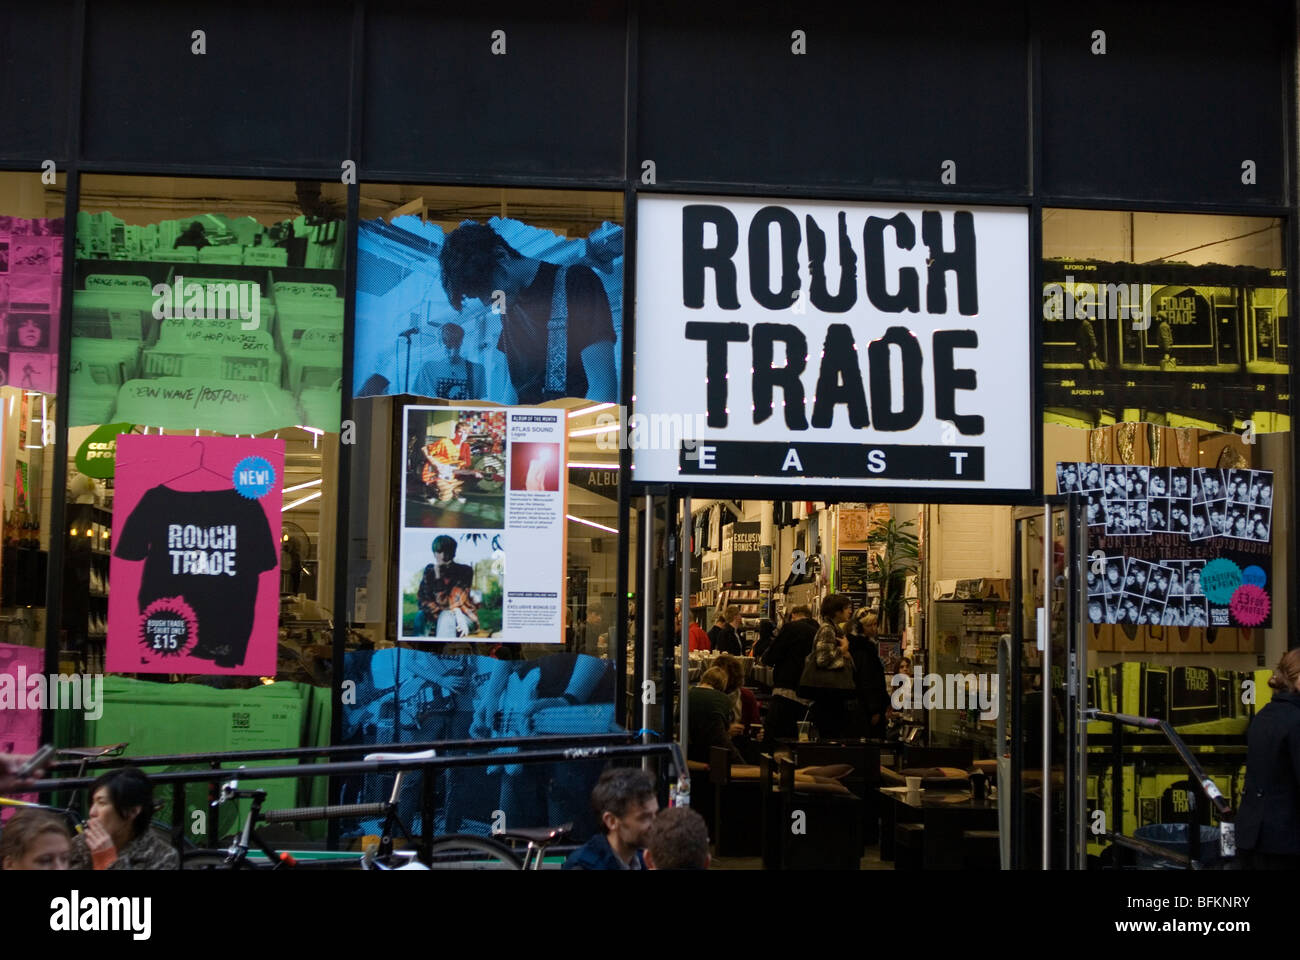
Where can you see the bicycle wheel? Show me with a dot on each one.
(205, 860)
(464, 852)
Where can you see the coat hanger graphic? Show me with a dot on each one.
(200, 467)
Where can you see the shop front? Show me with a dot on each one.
(389, 399)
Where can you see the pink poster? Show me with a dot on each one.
(20, 722)
(195, 573)
(31, 281)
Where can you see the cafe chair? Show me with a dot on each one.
(811, 820)
(737, 808)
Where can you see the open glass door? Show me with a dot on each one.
(1046, 748)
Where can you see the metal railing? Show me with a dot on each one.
(216, 766)
(1204, 785)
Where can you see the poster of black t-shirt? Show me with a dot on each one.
(195, 555)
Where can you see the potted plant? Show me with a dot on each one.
(895, 554)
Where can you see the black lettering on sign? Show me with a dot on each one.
(767, 377)
(818, 293)
(873, 235)
(696, 257)
(760, 260)
(716, 337)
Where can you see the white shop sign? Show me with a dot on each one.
(833, 344)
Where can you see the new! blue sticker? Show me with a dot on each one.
(254, 477)
(1255, 576)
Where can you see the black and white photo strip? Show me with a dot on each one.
(1258, 505)
(1195, 502)
(1139, 592)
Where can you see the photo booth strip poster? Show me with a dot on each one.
(195, 565)
(483, 524)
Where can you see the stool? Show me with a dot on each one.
(981, 850)
(909, 846)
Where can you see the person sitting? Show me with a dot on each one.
(679, 840)
(744, 705)
(710, 717)
(35, 840)
(786, 655)
(444, 603)
(625, 800)
(118, 836)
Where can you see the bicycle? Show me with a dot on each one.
(452, 851)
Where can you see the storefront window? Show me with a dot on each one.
(1167, 408)
(204, 399)
(31, 286)
(484, 545)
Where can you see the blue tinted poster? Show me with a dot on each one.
(499, 311)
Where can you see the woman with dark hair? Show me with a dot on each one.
(1268, 823)
(117, 836)
(831, 652)
(766, 634)
(34, 840)
(867, 712)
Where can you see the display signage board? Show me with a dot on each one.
(195, 570)
(855, 571)
(745, 553)
(481, 486)
(1176, 546)
(832, 344)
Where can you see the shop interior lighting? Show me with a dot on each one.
(586, 410)
(590, 523)
(592, 431)
(298, 503)
(302, 486)
(591, 466)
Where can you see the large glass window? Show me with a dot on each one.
(1167, 407)
(484, 547)
(204, 399)
(31, 281)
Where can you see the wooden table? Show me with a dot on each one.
(944, 814)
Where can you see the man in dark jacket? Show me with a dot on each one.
(625, 800)
(786, 656)
(1268, 823)
(725, 635)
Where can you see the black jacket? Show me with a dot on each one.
(723, 638)
(869, 673)
(1269, 819)
(709, 723)
(789, 650)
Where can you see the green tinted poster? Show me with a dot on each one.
(210, 322)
